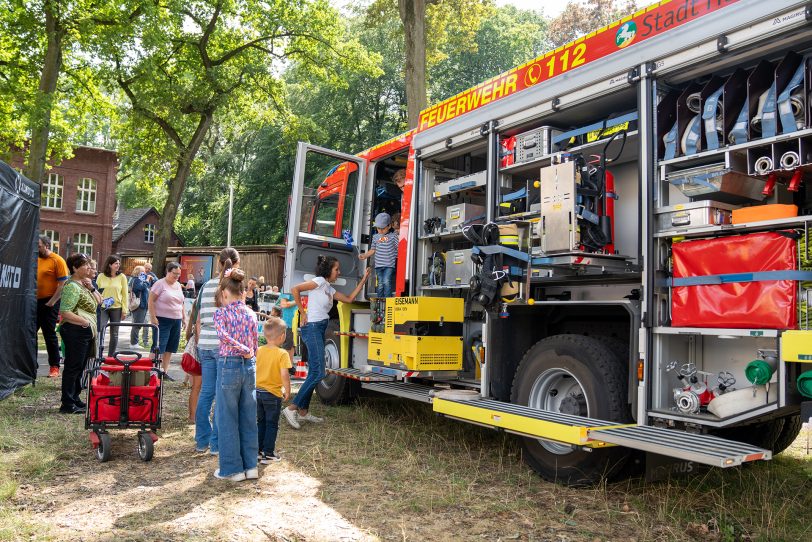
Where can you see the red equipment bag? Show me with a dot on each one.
(743, 297)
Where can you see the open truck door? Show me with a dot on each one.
(325, 215)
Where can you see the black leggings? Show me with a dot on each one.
(77, 341)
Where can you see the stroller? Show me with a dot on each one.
(124, 392)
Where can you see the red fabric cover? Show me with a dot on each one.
(764, 304)
(105, 401)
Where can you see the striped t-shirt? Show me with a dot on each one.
(208, 335)
(385, 246)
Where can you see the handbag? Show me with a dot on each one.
(135, 301)
(188, 361)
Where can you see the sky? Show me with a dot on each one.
(551, 8)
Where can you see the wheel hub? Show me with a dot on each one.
(557, 390)
(574, 404)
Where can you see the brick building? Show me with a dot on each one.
(78, 200)
(134, 232)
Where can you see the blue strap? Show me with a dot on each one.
(693, 129)
(738, 134)
(784, 104)
(519, 194)
(596, 126)
(769, 124)
(759, 276)
(670, 140)
(709, 116)
(499, 249)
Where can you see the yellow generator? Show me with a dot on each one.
(420, 334)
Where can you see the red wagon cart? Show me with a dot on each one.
(124, 392)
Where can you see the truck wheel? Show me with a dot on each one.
(789, 432)
(764, 434)
(333, 389)
(575, 375)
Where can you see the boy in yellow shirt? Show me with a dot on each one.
(273, 386)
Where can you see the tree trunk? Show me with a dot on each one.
(40, 119)
(176, 185)
(413, 16)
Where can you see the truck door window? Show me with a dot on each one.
(328, 196)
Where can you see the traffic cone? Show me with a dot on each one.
(301, 370)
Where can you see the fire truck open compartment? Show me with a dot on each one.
(573, 259)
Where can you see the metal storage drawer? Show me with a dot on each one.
(694, 215)
(458, 267)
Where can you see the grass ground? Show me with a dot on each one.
(384, 469)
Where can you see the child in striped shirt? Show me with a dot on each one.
(385, 249)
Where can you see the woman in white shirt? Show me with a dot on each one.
(313, 327)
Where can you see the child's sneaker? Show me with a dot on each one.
(267, 459)
(236, 477)
(252, 474)
(310, 418)
(292, 417)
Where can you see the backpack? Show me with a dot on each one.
(135, 301)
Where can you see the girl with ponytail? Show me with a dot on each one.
(208, 345)
(313, 322)
(235, 403)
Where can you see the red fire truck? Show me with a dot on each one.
(604, 251)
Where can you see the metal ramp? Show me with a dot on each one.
(705, 449)
(357, 374)
(415, 392)
(594, 433)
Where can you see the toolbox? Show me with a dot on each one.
(463, 214)
(459, 268)
(693, 215)
(534, 144)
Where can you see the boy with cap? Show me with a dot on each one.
(385, 249)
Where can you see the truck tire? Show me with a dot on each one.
(789, 432)
(764, 434)
(577, 375)
(333, 389)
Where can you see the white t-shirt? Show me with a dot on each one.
(320, 300)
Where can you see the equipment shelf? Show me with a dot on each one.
(629, 153)
(456, 234)
(715, 331)
(708, 156)
(726, 229)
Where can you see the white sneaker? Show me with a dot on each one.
(236, 477)
(310, 418)
(292, 417)
(251, 474)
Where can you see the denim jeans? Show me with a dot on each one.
(236, 408)
(385, 276)
(205, 422)
(313, 337)
(268, 408)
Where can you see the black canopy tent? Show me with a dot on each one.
(19, 225)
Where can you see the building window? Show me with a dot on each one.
(54, 237)
(86, 196)
(149, 233)
(52, 192)
(83, 243)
